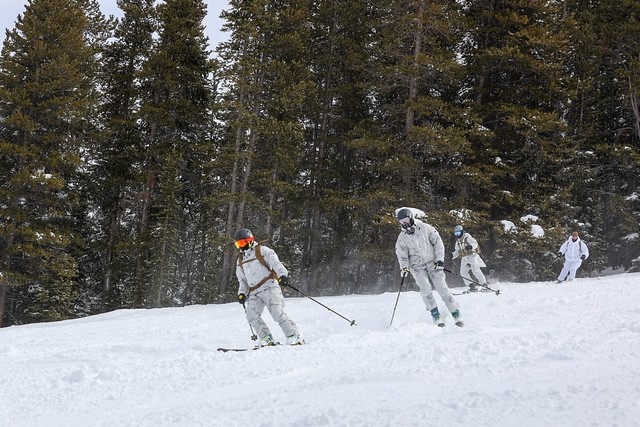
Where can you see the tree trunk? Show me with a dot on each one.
(4, 261)
(413, 78)
(114, 227)
(633, 96)
(227, 251)
(227, 267)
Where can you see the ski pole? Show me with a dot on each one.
(352, 322)
(397, 298)
(254, 337)
(497, 292)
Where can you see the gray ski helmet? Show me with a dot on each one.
(243, 233)
(244, 239)
(405, 217)
(458, 231)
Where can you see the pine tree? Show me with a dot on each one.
(120, 154)
(604, 116)
(175, 118)
(516, 58)
(46, 96)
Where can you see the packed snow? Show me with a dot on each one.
(538, 354)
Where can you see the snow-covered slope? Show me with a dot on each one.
(539, 354)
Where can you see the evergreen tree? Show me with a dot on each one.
(177, 98)
(119, 156)
(518, 84)
(604, 116)
(46, 97)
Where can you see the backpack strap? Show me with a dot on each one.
(272, 274)
(463, 245)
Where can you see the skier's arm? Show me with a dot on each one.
(272, 260)
(472, 242)
(563, 248)
(243, 286)
(585, 250)
(402, 255)
(456, 251)
(436, 241)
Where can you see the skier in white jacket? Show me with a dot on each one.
(467, 248)
(260, 275)
(420, 251)
(575, 251)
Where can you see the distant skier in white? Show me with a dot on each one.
(420, 251)
(260, 275)
(575, 251)
(467, 248)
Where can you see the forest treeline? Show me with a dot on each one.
(131, 150)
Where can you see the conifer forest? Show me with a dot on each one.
(131, 150)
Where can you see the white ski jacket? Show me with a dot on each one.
(250, 271)
(420, 249)
(468, 256)
(574, 250)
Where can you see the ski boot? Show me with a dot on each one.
(267, 341)
(437, 319)
(295, 340)
(457, 318)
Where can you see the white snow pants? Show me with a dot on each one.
(471, 267)
(270, 297)
(422, 277)
(570, 268)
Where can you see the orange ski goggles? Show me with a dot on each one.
(244, 242)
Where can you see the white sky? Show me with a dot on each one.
(538, 354)
(10, 9)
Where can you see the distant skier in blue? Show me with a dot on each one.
(467, 247)
(575, 251)
(420, 250)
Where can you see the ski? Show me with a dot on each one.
(224, 350)
(481, 290)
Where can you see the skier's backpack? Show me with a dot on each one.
(272, 274)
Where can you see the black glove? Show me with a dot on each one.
(439, 265)
(284, 281)
(404, 272)
(468, 247)
(583, 257)
(242, 298)
(560, 254)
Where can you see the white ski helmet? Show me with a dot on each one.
(458, 231)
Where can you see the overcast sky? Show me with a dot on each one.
(10, 9)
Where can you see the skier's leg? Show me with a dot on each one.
(275, 305)
(574, 268)
(439, 281)
(478, 274)
(255, 307)
(421, 277)
(422, 280)
(464, 272)
(467, 277)
(565, 271)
